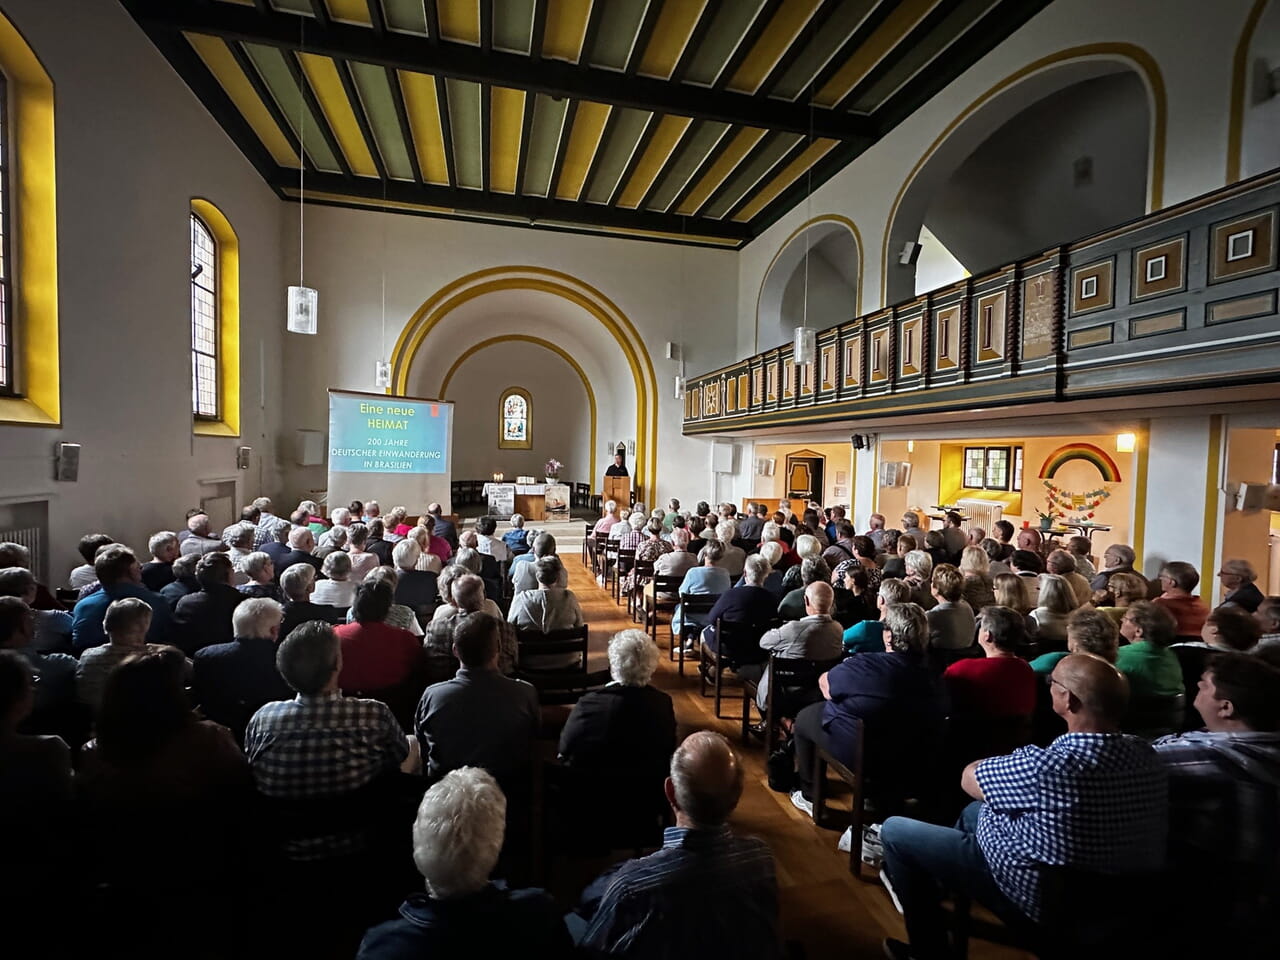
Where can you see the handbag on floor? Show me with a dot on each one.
(781, 767)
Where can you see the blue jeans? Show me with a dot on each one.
(925, 861)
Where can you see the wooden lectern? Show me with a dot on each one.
(617, 489)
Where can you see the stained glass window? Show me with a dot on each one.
(516, 419)
(6, 294)
(204, 321)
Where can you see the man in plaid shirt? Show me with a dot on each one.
(1095, 800)
(322, 744)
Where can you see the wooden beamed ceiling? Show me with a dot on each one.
(697, 121)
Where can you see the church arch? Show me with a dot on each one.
(835, 251)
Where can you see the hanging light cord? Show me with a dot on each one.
(302, 162)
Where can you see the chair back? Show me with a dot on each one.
(561, 687)
(535, 643)
(739, 643)
(791, 681)
(1151, 717)
(667, 583)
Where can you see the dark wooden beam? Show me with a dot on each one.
(764, 144)
(313, 105)
(433, 20)
(539, 31)
(260, 88)
(870, 23)
(486, 25)
(798, 45)
(377, 18)
(681, 145)
(406, 128)
(562, 147)
(593, 170)
(526, 130)
(646, 136)
(643, 34)
(449, 59)
(321, 11)
(446, 130)
(696, 36)
(706, 163)
(366, 131)
(748, 40)
(589, 34)
(500, 204)
(797, 148)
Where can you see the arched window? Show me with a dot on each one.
(204, 321)
(515, 420)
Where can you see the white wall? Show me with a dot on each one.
(133, 147)
(1261, 133)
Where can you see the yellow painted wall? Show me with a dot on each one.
(1246, 535)
(839, 459)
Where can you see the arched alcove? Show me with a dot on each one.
(1036, 160)
(1254, 142)
(821, 263)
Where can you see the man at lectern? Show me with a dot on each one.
(617, 468)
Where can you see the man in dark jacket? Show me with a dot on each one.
(376, 545)
(301, 542)
(203, 618)
(749, 605)
(442, 528)
(232, 680)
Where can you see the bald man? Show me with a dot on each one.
(706, 892)
(1095, 799)
(815, 636)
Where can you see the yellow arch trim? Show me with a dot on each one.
(548, 345)
(1239, 85)
(606, 312)
(35, 236)
(1142, 61)
(228, 422)
(825, 218)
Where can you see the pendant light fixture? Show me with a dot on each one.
(303, 300)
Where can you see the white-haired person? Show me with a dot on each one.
(261, 573)
(978, 591)
(336, 589)
(434, 552)
(266, 528)
(297, 583)
(708, 578)
(610, 518)
(1238, 587)
(1056, 602)
(457, 838)
(330, 541)
(550, 607)
(200, 539)
(232, 680)
(919, 574)
(734, 556)
(397, 524)
(517, 538)
(416, 589)
(316, 523)
(157, 573)
(239, 538)
(806, 546)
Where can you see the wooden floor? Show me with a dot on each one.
(823, 906)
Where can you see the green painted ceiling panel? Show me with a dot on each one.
(380, 108)
(275, 74)
(626, 133)
(405, 15)
(544, 140)
(820, 48)
(682, 166)
(748, 177)
(619, 21)
(726, 30)
(512, 25)
(949, 30)
(464, 123)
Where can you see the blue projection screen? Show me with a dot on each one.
(395, 450)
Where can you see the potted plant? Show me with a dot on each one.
(551, 470)
(1047, 517)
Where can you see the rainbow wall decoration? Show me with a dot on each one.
(1081, 451)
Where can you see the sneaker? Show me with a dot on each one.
(893, 894)
(872, 847)
(846, 840)
(896, 949)
(800, 803)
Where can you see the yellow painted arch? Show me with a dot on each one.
(228, 249)
(1239, 85)
(548, 345)
(453, 295)
(1142, 62)
(825, 218)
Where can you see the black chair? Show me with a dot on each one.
(1151, 717)
(690, 603)
(626, 560)
(581, 494)
(577, 824)
(559, 688)
(1192, 660)
(534, 643)
(793, 685)
(587, 534)
(642, 573)
(736, 644)
(663, 585)
(595, 551)
(851, 776)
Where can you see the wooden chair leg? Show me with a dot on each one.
(719, 662)
(855, 831)
(819, 786)
(746, 720)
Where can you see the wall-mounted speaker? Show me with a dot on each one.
(243, 456)
(66, 462)
(910, 254)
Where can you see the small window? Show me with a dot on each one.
(204, 321)
(515, 424)
(1017, 469)
(993, 468)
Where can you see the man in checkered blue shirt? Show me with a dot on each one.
(322, 744)
(1095, 800)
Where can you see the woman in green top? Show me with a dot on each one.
(1089, 630)
(1151, 667)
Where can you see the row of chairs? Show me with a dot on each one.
(467, 493)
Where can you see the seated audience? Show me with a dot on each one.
(864, 555)
(875, 530)
(650, 549)
(52, 628)
(952, 625)
(204, 617)
(680, 536)
(854, 600)
(321, 744)
(301, 542)
(376, 656)
(919, 576)
(1030, 539)
(995, 558)
(815, 636)
(895, 562)
(1026, 563)
(479, 563)
(1080, 548)
(239, 537)
(1004, 531)
(441, 526)
(954, 535)
(184, 580)
(749, 603)
(890, 695)
(977, 590)
(1177, 580)
(999, 684)
(710, 579)
(399, 615)
(201, 539)
(415, 588)
(336, 589)
(551, 606)
(811, 569)
(157, 573)
(395, 528)
(841, 548)
(297, 584)
(120, 574)
(606, 523)
(517, 538)
(734, 557)
(1229, 627)
(1224, 793)
(1057, 600)
(867, 636)
(268, 523)
(53, 674)
(88, 548)
(1088, 631)
(457, 838)
(706, 892)
(436, 551)
(466, 593)
(232, 680)
(377, 543)
(1015, 592)
(1146, 660)
(448, 585)
(332, 540)
(1238, 587)
(277, 545)
(126, 623)
(524, 575)
(750, 525)
(1122, 590)
(362, 560)
(1268, 617)
(1063, 564)
(489, 544)
(261, 572)
(318, 524)
(16, 555)
(480, 718)
(1117, 558)
(1094, 800)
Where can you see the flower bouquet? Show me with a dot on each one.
(551, 470)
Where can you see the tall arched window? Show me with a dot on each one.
(204, 321)
(515, 423)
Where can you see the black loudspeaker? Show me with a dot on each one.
(910, 254)
(66, 462)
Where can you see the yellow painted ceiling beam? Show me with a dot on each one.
(460, 20)
(670, 36)
(785, 26)
(788, 175)
(584, 140)
(351, 11)
(506, 121)
(322, 74)
(725, 164)
(217, 57)
(423, 107)
(896, 25)
(566, 29)
(670, 130)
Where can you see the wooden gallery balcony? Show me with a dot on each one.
(1184, 299)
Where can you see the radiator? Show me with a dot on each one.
(982, 513)
(31, 538)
